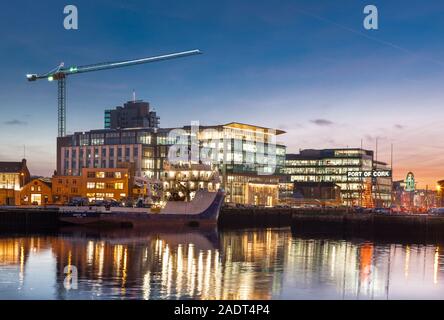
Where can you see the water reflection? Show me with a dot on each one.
(248, 264)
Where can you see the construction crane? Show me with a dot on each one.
(61, 72)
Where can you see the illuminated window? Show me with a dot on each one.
(91, 185)
(145, 138)
(118, 185)
(100, 185)
(118, 175)
(100, 174)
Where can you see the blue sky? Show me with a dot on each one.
(307, 67)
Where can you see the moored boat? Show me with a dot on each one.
(202, 211)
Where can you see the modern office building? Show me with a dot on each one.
(146, 149)
(133, 114)
(382, 186)
(249, 159)
(333, 165)
(246, 156)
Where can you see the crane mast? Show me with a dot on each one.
(61, 72)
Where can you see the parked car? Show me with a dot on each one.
(382, 210)
(358, 209)
(283, 206)
(436, 211)
(78, 202)
(106, 203)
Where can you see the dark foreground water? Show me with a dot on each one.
(247, 264)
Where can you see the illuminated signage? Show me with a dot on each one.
(370, 174)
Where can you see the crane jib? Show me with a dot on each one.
(60, 74)
(126, 63)
(56, 74)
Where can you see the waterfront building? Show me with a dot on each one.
(382, 186)
(425, 199)
(13, 176)
(94, 184)
(144, 148)
(66, 188)
(133, 114)
(246, 156)
(37, 192)
(408, 197)
(106, 184)
(333, 166)
(253, 189)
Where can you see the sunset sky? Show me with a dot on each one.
(306, 67)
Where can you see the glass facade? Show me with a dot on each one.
(333, 165)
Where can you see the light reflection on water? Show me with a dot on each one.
(245, 264)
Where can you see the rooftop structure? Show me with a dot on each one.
(133, 114)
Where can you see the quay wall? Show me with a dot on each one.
(329, 222)
(369, 225)
(254, 217)
(26, 219)
(336, 222)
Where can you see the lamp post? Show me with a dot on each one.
(439, 193)
(7, 192)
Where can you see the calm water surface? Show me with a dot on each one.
(246, 264)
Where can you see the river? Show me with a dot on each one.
(241, 264)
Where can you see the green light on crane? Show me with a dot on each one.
(73, 69)
(50, 78)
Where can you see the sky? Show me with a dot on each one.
(307, 67)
